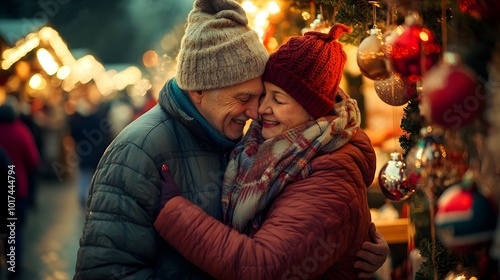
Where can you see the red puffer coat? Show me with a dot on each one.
(312, 230)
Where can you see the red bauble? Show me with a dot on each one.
(413, 52)
(465, 218)
(482, 9)
(452, 96)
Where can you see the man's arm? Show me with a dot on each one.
(118, 237)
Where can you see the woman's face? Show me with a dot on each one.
(279, 111)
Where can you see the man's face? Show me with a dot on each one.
(228, 109)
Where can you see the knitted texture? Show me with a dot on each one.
(218, 48)
(310, 68)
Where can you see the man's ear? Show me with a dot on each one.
(196, 96)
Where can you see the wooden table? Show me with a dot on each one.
(395, 231)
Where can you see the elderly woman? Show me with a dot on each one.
(295, 185)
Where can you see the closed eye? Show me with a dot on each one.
(243, 100)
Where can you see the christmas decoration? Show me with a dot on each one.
(354, 13)
(481, 9)
(319, 24)
(451, 94)
(395, 90)
(393, 179)
(449, 261)
(411, 123)
(389, 37)
(461, 274)
(415, 170)
(414, 50)
(371, 57)
(472, 37)
(465, 218)
(428, 170)
(426, 161)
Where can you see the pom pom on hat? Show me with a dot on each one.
(218, 48)
(310, 68)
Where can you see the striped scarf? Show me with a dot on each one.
(259, 169)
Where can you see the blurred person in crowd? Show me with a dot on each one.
(18, 142)
(299, 176)
(28, 119)
(149, 102)
(120, 113)
(199, 119)
(5, 164)
(49, 115)
(91, 134)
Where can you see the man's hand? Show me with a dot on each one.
(372, 254)
(168, 187)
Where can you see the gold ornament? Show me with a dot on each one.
(395, 90)
(371, 57)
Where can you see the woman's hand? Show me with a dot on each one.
(372, 254)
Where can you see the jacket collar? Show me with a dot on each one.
(176, 102)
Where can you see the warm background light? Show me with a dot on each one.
(150, 58)
(47, 61)
(37, 82)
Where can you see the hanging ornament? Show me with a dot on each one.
(393, 179)
(414, 168)
(427, 161)
(480, 9)
(414, 50)
(465, 217)
(433, 160)
(433, 155)
(451, 95)
(319, 24)
(370, 56)
(395, 90)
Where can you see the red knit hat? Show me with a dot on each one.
(310, 68)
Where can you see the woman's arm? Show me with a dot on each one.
(311, 226)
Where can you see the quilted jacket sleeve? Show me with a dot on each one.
(313, 228)
(118, 237)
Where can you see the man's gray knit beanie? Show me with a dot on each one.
(218, 48)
